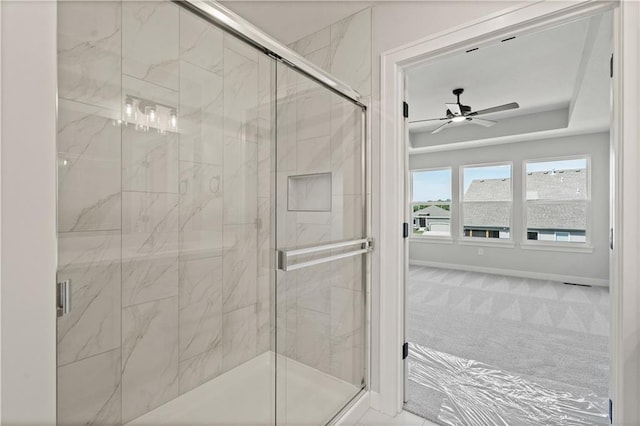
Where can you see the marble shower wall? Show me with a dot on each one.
(321, 308)
(166, 236)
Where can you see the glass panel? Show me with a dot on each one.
(486, 201)
(320, 309)
(557, 180)
(165, 218)
(431, 206)
(559, 221)
(557, 195)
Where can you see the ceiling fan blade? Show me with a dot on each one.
(454, 108)
(483, 122)
(505, 107)
(429, 119)
(441, 128)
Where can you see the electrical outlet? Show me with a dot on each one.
(480, 252)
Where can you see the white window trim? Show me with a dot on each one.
(448, 239)
(490, 242)
(581, 247)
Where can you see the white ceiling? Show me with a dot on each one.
(562, 68)
(289, 21)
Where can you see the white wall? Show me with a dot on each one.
(396, 24)
(28, 212)
(590, 268)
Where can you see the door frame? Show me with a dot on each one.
(625, 130)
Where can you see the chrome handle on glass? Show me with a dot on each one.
(364, 245)
(63, 298)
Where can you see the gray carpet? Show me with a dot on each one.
(550, 334)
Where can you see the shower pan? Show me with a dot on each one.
(212, 222)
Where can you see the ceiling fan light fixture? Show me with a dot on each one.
(458, 119)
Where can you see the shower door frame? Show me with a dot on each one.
(230, 22)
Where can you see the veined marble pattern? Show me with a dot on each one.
(150, 41)
(347, 357)
(313, 339)
(88, 170)
(314, 113)
(346, 148)
(92, 261)
(200, 43)
(200, 115)
(150, 356)
(89, 57)
(89, 391)
(150, 161)
(200, 306)
(312, 42)
(240, 267)
(238, 336)
(149, 247)
(351, 51)
(240, 183)
(240, 94)
(314, 155)
(201, 205)
(200, 369)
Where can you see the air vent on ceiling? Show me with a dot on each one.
(507, 39)
(471, 50)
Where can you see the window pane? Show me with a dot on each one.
(557, 180)
(432, 185)
(487, 183)
(432, 202)
(558, 221)
(486, 219)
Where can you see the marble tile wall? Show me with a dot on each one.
(166, 236)
(321, 308)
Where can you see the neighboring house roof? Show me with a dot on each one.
(563, 184)
(433, 211)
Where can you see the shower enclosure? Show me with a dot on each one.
(212, 222)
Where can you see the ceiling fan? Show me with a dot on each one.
(457, 113)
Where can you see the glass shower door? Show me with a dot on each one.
(322, 245)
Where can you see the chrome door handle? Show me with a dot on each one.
(364, 245)
(63, 296)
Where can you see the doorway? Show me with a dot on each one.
(394, 65)
(509, 215)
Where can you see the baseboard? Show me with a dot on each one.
(355, 412)
(514, 273)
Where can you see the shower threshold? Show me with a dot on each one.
(246, 396)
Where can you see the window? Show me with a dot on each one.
(557, 200)
(431, 202)
(486, 201)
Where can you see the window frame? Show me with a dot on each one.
(464, 240)
(586, 245)
(443, 238)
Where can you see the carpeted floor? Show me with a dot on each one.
(551, 334)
